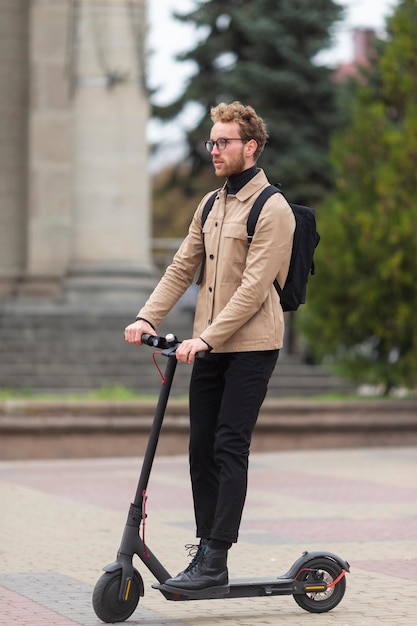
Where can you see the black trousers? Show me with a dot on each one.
(226, 393)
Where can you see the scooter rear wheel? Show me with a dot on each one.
(106, 603)
(323, 570)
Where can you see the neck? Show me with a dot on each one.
(235, 182)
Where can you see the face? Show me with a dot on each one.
(237, 155)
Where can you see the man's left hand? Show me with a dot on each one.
(188, 349)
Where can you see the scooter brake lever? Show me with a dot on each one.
(172, 344)
(169, 344)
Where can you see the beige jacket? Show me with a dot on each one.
(238, 307)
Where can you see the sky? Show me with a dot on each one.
(168, 37)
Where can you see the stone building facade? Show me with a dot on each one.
(75, 241)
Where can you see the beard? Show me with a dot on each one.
(232, 166)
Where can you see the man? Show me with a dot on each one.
(238, 331)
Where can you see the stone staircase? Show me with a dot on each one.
(51, 348)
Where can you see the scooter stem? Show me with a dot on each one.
(156, 426)
(131, 542)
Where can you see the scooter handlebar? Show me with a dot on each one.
(155, 341)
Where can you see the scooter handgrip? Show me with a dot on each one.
(150, 340)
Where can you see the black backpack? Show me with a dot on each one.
(306, 239)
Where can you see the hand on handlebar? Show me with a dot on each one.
(188, 348)
(134, 332)
(140, 332)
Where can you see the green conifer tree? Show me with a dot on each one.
(263, 53)
(362, 305)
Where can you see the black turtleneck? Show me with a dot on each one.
(235, 182)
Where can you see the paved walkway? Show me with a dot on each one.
(61, 522)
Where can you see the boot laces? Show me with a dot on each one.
(196, 551)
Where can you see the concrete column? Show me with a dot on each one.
(13, 142)
(49, 149)
(110, 254)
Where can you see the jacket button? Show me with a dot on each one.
(210, 289)
(211, 256)
(209, 322)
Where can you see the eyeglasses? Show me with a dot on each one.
(222, 143)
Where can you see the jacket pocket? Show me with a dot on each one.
(234, 243)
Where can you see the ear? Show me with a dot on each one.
(251, 146)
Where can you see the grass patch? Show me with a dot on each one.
(121, 393)
(110, 393)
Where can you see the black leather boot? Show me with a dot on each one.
(207, 570)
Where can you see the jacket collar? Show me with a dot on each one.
(254, 185)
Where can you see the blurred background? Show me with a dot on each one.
(103, 117)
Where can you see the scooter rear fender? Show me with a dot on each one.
(306, 557)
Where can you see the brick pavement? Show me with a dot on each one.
(61, 522)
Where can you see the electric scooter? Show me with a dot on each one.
(316, 580)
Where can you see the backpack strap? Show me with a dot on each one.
(254, 214)
(257, 208)
(206, 210)
(207, 207)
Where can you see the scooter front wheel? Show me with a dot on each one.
(106, 603)
(321, 570)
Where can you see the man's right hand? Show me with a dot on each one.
(134, 332)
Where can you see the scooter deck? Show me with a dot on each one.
(237, 588)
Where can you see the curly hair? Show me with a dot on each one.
(251, 125)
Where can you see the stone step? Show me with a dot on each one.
(57, 350)
(63, 428)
